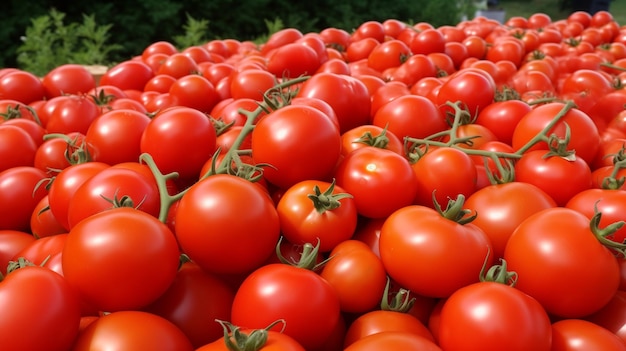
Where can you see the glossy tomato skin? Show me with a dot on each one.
(554, 245)
(130, 74)
(132, 330)
(101, 246)
(580, 334)
(12, 242)
(357, 275)
(380, 180)
(241, 220)
(308, 304)
(299, 143)
(609, 202)
(187, 132)
(276, 341)
(500, 208)
(21, 86)
(40, 300)
(393, 341)
(16, 138)
(380, 321)
(443, 255)
(493, 316)
(501, 117)
(410, 116)
(19, 195)
(193, 302)
(72, 113)
(68, 79)
(612, 316)
(473, 89)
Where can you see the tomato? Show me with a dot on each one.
(557, 176)
(65, 185)
(194, 91)
(187, 132)
(293, 60)
(357, 275)
(132, 330)
(310, 152)
(72, 113)
(178, 65)
(13, 109)
(42, 222)
(230, 110)
(388, 92)
(395, 341)
(443, 255)
(19, 195)
(114, 187)
(588, 81)
(335, 37)
(317, 212)
(251, 83)
(559, 241)
(39, 250)
(15, 138)
(611, 316)
(473, 89)
(500, 208)
(471, 316)
(306, 302)
(369, 29)
(509, 49)
(501, 117)
(413, 69)
(101, 246)
(579, 334)
(385, 321)
(443, 173)
(198, 53)
(410, 116)
(585, 138)
(21, 86)
(11, 243)
(608, 202)
(68, 79)
(40, 300)
(347, 95)
(370, 135)
(161, 47)
(235, 211)
(126, 75)
(193, 302)
(380, 180)
(391, 53)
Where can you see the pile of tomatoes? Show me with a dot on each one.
(397, 187)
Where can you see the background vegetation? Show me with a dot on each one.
(116, 30)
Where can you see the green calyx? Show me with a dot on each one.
(236, 340)
(326, 201)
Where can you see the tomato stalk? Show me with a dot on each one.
(326, 201)
(498, 273)
(236, 340)
(603, 233)
(401, 301)
(454, 210)
(273, 98)
(75, 153)
(612, 182)
(308, 257)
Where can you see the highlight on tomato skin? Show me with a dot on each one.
(392, 186)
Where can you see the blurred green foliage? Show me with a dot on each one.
(134, 24)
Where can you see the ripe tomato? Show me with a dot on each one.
(471, 314)
(580, 334)
(298, 142)
(193, 302)
(41, 301)
(384, 321)
(68, 79)
(21, 86)
(251, 83)
(357, 275)
(19, 195)
(388, 54)
(306, 302)
(370, 135)
(550, 247)
(293, 60)
(187, 132)
(178, 65)
(234, 210)
(585, 138)
(42, 222)
(72, 113)
(101, 246)
(475, 91)
(11, 243)
(195, 91)
(609, 202)
(132, 330)
(500, 208)
(15, 138)
(315, 212)
(395, 341)
(410, 116)
(444, 255)
(128, 75)
(272, 341)
(501, 117)
(380, 180)
(612, 316)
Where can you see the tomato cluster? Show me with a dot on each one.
(398, 187)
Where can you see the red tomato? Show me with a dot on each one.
(394, 341)
(609, 202)
(21, 86)
(357, 275)
(178, 65)
(562, 246)
(194, 91)
(380, 180)
(471, 314)
(413, 69)
(42, 248)
(501, 117)
(473, 89)
(40, 300)
(500, 208)
(369, 29)
(68, 79)
(20, 192)
(15, 138)
(443, 255)
(11, 243)
(557, 176)
(251, 84)
(579, 335)
(612, 316)
(410, 116)
(585, 138)
(186, 131)
(43, 223)
(280, 38)
(132, 330)
(388, 54)
(235, 211)
(298, 142)
(126, 75)
(385, 321)
(101, 246)
(444, 173)
(72, 113)
(317, 212)
(193, 302)
(347, 95)
(161, 47)
(370, 135)
(293, 60)
(306, 302)
(273, 341)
